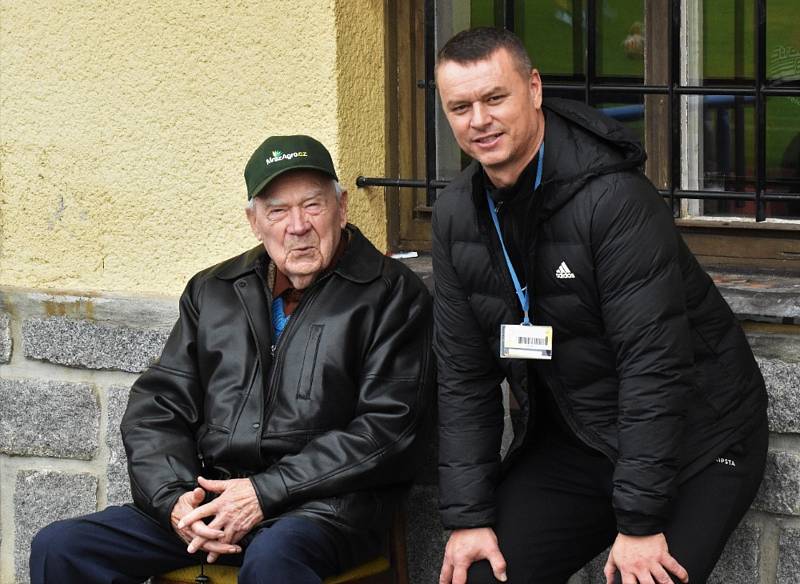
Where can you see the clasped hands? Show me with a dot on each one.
(234, 512)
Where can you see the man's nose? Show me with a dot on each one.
(480, 116)
(298, 221)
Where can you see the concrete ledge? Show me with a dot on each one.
(136, 311)
(760, 295)
(48, 418)
(777, 347)
(43, 497)
(422, 267)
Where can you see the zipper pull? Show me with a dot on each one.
(272, 350)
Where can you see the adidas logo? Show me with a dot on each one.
(564, 272)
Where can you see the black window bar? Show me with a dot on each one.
(592, 86)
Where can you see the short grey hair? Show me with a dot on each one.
(337, 188)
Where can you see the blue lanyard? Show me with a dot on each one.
(522, 293)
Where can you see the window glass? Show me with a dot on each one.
(577, 94)
(485, 13)
(783, 41)
(554, 33)
(718, 36)
(718, 151)
(717, 146)
(783, 154)
(620, 38)
(628, 109)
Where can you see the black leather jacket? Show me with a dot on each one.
(649, 364)
(326, 423)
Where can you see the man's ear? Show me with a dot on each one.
(250, 212)
(536, 88)
(343, 209)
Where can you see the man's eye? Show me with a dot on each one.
(495, 98)
(276, 214)
(459, 109)
(313, 207)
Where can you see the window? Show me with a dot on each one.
(712, 87)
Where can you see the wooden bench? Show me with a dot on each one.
(389, 568)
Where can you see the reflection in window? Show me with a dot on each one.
(629, 110)
(783, 41)
(620, 38)
(728, 40)
(554, 33)
(485, 13)
(783, 153)
(717, 144)
(719, 150)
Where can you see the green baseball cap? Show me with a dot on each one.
(280, 154)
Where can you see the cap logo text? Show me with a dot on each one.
(277, 156)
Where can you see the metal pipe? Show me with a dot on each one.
(729, 195)
(678, 89)
(413, 183)
(363, 181)
(430, 99)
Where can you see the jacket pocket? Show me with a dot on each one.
(306, 379)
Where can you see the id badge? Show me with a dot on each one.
(521, 341)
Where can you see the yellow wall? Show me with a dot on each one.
(125, 127)
(361, 111)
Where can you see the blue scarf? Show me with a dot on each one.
(279, 317)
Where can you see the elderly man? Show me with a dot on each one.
(283, 418)
(640, 412)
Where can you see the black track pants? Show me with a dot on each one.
(554, 510)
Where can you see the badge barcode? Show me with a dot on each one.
(532, 340)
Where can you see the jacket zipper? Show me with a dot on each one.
(276, 349)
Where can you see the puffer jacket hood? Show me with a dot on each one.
(600, 145)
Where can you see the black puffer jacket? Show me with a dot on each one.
(327, 424)
(649, 365)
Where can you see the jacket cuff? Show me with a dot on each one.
(273, 496)
(455, 520)
(629, 523)
(161, 505)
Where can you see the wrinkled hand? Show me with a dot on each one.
(190, 531)
(235, 512)
(642, 559)
(466, 546)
